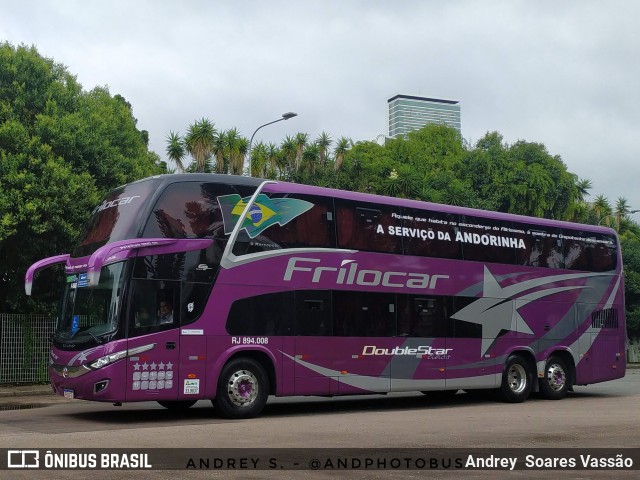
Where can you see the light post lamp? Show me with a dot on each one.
(285, 116)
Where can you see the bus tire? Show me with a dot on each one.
(517, 380)
(177, 404)
(243, 389)
(555, 383)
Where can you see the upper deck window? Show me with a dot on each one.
(116, 218)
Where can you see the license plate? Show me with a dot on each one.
(68, 393)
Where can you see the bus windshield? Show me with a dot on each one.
(116, 218)
(88, 315)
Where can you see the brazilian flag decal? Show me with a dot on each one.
(264, 212)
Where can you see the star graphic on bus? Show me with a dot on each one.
(497, 309)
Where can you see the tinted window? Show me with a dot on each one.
(462, 329)
(287, 221)
(363, 314)
(271, 314)
(430, 234)
(486, 240)
(368, 227)
(589, 251)
(152, 306)
(116, 218)
(195, 266)
(191, 210)
(424, 316)
(313, 312)
(544, 247)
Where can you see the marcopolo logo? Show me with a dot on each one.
(349, 273)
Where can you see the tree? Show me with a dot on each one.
(301, 141)
(342, 148)
(199, 142)
(61, 149)
(176, 150)
(324, 142)
(288, 149)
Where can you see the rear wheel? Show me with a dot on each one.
(243, 389)
(177, 404)
(555, 383)
(517, 380)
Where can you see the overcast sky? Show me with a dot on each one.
(565, 74)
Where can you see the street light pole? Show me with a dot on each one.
(285, 116)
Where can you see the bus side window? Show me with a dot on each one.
(313, 313)
(363, 226)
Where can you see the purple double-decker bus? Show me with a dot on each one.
(198, 286)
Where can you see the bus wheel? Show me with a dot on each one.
(243, 389)
(177, 404)
(555, 383)
(517, 380)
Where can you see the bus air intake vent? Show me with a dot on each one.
(607, 318)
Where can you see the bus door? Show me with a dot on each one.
(420, 357)
(193, 342)
(153, 319)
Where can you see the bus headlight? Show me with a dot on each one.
(108, 359)
(114, 357)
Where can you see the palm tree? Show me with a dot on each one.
(602, 209)
(219, 148)
(199, 141)
(583, 185)
(272, 160)
(342, 148)
(236, 162)
(175, 149)
(300, 141)
(288, 149)
(258, 162)
(310, 157)
(324, 142)
(622, 211)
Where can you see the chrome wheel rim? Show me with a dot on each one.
(556, 377)
(242, 388)
(517, 378)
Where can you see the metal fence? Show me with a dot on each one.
(24, 348)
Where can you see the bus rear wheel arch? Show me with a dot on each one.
(243, 389)
(517, 379)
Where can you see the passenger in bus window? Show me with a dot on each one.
(166, 312)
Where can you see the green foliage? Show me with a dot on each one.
(61, 150)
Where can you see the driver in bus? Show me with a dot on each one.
(166, 312)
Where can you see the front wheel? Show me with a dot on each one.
(555, 384)
(517, 380)
(243, 389)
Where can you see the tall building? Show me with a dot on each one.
(407, 112)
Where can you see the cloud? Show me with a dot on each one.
(561, 74)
